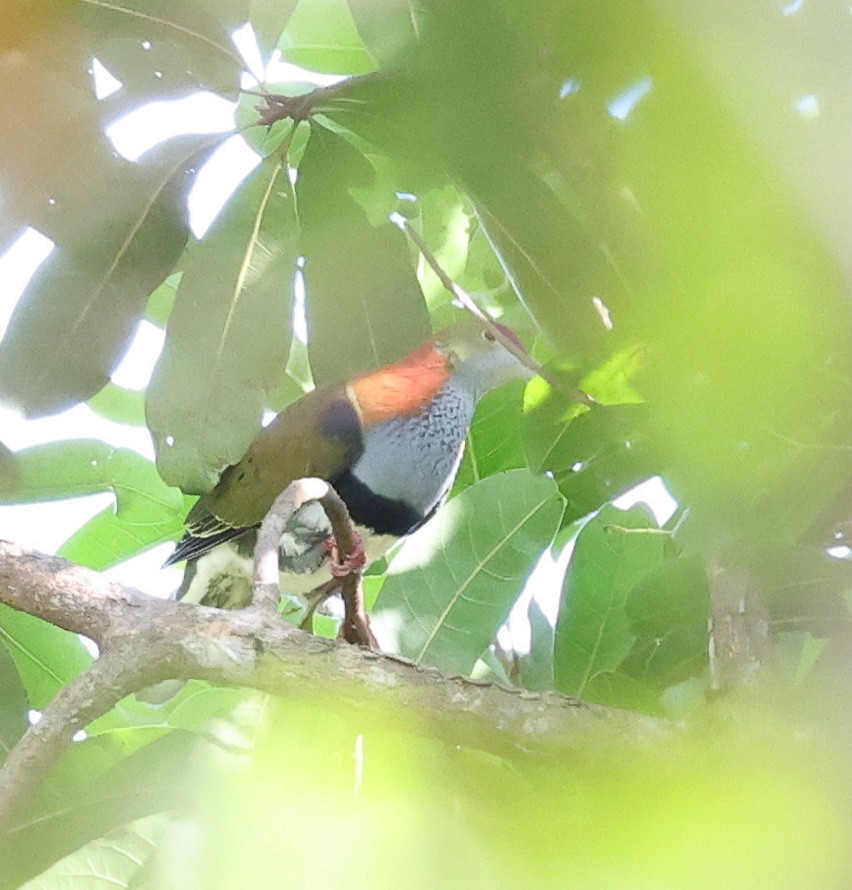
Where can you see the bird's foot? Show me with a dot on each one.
(353, 562)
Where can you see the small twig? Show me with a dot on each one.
(471, 305)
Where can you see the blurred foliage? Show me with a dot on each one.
(656, 197)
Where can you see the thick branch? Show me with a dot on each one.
(144, 640)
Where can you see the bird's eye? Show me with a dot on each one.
(487, 335)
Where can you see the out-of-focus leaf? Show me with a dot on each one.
(9, 475)
(46, 656)
(444, 225)
(13, 703)
(494, 441)
(86, 298)
(160, 49)
(553, 262)
(268, 18)
(119, 404)
(321, 36)
(452, 583)
(614, 551)
(161, 301)
(668, 611)
(228, 335)
(596, 454)
(364, 304)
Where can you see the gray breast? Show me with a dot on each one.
(415, 459)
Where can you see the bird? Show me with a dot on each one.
(390, 441)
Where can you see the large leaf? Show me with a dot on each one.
(614, 551)
(452, 583)
(228, 335)
(146, 512)
(86, 298)
(365, 307)
(46, 657)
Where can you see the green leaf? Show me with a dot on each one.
(14, 703)
(361, 287)
(536, 667)
(114, 535)
(107, 862)
(668, 611)
(618, 690)
(596, 454)
(452, 583)
(9, 476)
(614, 551)
(74, 467)
(554, 263)
(494, 441)
(161, 301)
(228, 335)
(46, 656)
(147, 511)
(94, 790)
(321, 36)
(119, 404)
(87, 297)
(388, 29)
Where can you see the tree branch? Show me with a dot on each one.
(145, 640)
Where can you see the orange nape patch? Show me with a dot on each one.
(402, 389)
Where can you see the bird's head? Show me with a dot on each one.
(478, 360)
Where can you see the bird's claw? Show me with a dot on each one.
(353, 562)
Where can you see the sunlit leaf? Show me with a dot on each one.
(452, 583)
(74, 467)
